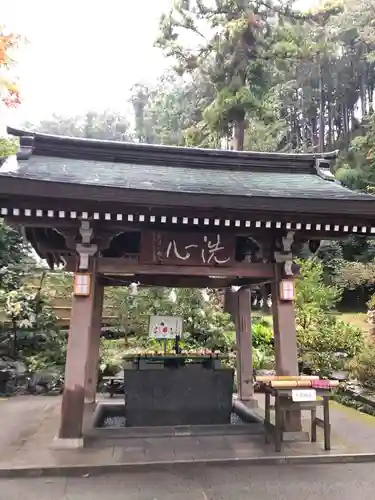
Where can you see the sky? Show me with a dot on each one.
(82, 54)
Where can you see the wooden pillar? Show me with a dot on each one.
(242, 312)
(284, 326)
(92, 366)
(76, 367)
(230, 303)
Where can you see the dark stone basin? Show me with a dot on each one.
(179, 395)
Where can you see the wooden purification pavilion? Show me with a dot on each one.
(117, 213)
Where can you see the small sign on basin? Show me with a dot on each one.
(304, 395)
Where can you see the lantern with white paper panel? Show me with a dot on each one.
(287, 291)
(82, 284)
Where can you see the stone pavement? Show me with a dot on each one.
(335, 482)
(29, 424)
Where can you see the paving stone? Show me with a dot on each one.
(26, 441)
(332, 482)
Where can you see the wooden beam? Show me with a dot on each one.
(176, 281)
(107, 265)
(46, 222)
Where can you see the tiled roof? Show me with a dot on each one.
(85, 169)
(181, 179)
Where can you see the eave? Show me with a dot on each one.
(36, 192)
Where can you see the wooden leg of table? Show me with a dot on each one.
(278, 424)
(327, 424)
(267, 417)
(313, 425)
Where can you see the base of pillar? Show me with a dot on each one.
(67, 443)
(297, 436)
(249, 402)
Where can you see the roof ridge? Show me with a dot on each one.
(173, 156)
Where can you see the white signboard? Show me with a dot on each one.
(165, 327)
(304, 395)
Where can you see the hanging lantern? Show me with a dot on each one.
(134, 288)
(287, 291)
(269, 302)
(205, 296)
(172, 296)
(82, 284)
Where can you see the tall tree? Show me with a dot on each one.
(106, 125)
(231, 38)
(171, 112)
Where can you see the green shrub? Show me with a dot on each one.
(8, 146)
(263, 359)
(320, 334)
(262, 332)
(362, 366)
(319, 344)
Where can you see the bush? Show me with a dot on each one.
(320, 334)
(362, 366)
(320, 346)
(262, 332)
(263, 359)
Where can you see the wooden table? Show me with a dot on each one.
(284, 402)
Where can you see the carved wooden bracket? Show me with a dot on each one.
(86, 232)
(85, 252)
(103, 239)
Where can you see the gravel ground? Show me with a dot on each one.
(121, 421)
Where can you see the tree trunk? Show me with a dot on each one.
(239, 133)
(363, 96)
(370, 92)
(330, 127)
(347, 120)
(14, 348)
(321, 113)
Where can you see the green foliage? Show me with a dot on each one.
(263, 359)
(165, 112)
(319, 345)
(28, 326)
(15, 262)
(289, 80)
(205, 325)
(357, 269)
(204, 322)
(314, 299)
(33, 327)
(8, 146)
(371, 303)
(111, 355)
(320, 334)
(362, 366)
(230, 44)
(331, 256)
(106, 125)
(356, 166)
(262, 332)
